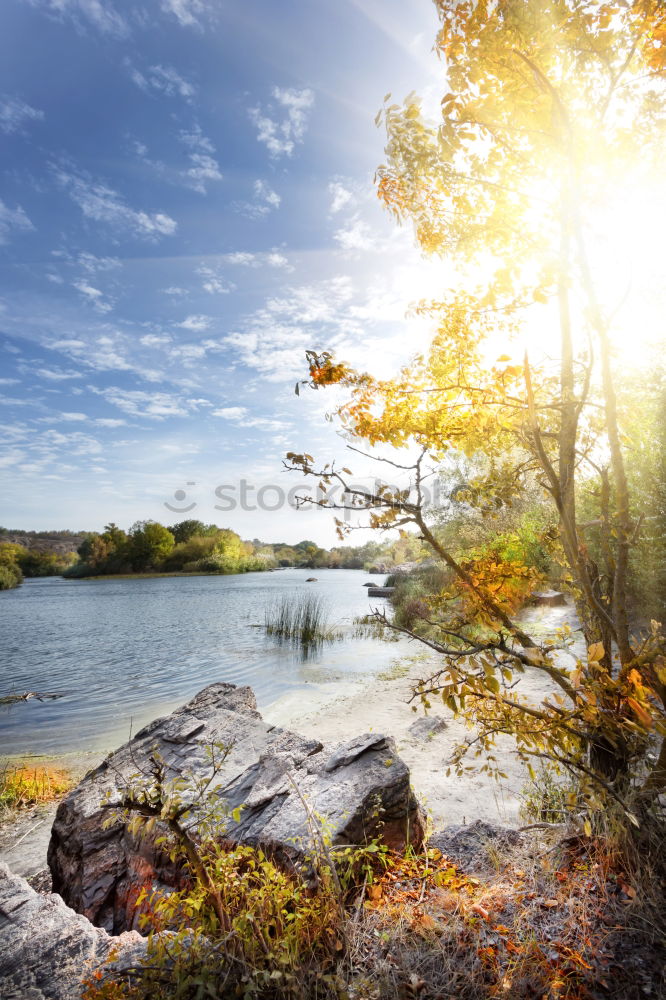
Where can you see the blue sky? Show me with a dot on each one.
(186, 206)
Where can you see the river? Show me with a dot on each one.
(123, 651)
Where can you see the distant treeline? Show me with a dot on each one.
(186, 547)
(41, 534)
(194, 547)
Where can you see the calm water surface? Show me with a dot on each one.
(124, 651)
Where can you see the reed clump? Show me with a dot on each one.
(300, 619)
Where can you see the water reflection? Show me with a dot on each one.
(120, 652)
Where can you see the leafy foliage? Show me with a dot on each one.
(10, 570)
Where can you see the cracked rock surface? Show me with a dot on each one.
(46, 949)
(360, 789)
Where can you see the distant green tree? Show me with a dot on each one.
(184, 530)
(149, 544)
(93, 552)
(10, 571)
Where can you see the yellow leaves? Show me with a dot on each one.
(576, 678)
(595, 652)
(493, 684)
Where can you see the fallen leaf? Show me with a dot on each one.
(550, 904)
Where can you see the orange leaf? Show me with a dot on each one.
(641, 713)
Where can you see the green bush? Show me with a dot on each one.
(10, 576)
(217, 562)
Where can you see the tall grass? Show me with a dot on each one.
(300, 619)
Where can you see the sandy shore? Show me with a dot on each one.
(382, 706)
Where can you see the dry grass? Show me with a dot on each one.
(22, 786)
(560, 922)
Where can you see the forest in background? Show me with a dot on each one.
(189, 546)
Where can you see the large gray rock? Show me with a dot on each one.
(46, 949)
(360, 789)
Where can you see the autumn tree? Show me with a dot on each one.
(552, 111)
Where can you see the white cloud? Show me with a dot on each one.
(204, 168)
(56, 374)
(75, 443)
(103, 204)
(340, 196)
(111, 422)
(103, 353)
(163, 80)
(265, 201)
(155, 405)
(67, 344)
(12, 219)
(15, 114)
(75, 417)
(243, 258)
(196, 324)
(240, 415)
(278, 260)
(187, 12)
(356, 236)
(195, 139)
(98, 13)
(189, 352)
(213, 282)
(152, 340)
(175, 290)
(235, 413)
(266, 194)
(283, 123)
(272, 340)
(92, 264)
(93, 295)
(11, 458)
